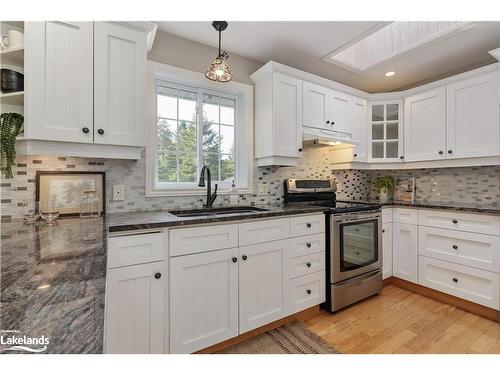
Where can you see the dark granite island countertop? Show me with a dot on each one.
(159, 219)
(53, 283)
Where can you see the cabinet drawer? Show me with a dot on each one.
(487, 224)
(404, 215)
(199, 239)
(304, 225)
(306, 245)
(306, 264)
(307, 291)
(135, 249)
(472, 284)
(263, 231)
(470, 249)
(386, 215)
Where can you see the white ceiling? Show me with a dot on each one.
(304, 45)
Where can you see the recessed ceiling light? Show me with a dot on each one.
(390, 74)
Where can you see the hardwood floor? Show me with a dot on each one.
(400, 321)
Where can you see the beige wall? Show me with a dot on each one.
(184, 53)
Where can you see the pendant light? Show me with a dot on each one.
(219, 70)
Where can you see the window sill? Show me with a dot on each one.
(193, 192)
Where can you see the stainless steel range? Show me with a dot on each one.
(354, 241)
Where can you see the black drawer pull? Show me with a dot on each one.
(309, 225)
(300, 149)
(85, 130)
(244, 257)
(454, 221)
(234, 259)
(308, 264)
(308, 291)
(308, 244)
(100, 131)
(157, 275)
(450, 151)
(455, 280)
(383, 230)
(455, 247)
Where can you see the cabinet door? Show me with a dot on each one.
(134, 309)
(473, 117)
(425, 126)
(359, 129)
(387, 250)
(315, 99)
(59, 102)
(339, 112)
(119, 85)
(404, 251)
(262, 284)
(287, 115)
(203, 299)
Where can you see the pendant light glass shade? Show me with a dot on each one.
(218, 70)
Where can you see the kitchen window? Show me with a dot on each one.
(195, 126)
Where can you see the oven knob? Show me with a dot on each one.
(308, 291)
(308, 264)
(308, 225)
(308, 244)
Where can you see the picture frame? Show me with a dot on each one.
(405, 190)
(66, 189)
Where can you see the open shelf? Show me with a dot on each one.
(13, 56)
(13, 98)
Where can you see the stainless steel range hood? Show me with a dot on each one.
(313, 137)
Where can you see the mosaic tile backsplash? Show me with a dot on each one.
(467, 185)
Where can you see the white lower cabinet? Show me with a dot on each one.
(135, 309)
(203, 299)
(386, 250)
(307, 291)
(404, 252)
(262, 282)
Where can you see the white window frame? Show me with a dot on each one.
(242, 93)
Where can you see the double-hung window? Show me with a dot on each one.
(193, 127)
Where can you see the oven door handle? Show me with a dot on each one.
(356, 219)
(359, 279)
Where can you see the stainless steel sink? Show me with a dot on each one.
(223, 211)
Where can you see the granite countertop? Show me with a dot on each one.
(53, 283)
(158, 219)
(465, 207)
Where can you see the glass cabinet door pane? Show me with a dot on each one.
(377, 131)
(392, 149)
(392, 112)
(392, 130)
(377, 150)
(378, 112)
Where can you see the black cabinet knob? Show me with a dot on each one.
(333, 122)
(234, 259)
(308, 244)
(401, 157)
(450, 151)
(455, 247)
(327, 121)
(85, 130)
(100, 131)
(157, 275)
(355, 155)
(440, 152)
(454, 221)
(300, 149)
(308, 225)
(244, 257)
(308, 291)
(308, 264)
(455, 280)
(383, 230)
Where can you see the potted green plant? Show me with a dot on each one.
(384, 185)
(11, 125)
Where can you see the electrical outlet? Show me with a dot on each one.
(118, 192)
(261, 188)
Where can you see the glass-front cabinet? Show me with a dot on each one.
(386, 131)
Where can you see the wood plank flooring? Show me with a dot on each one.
(400, 321)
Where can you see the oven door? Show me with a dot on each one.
(356, 245)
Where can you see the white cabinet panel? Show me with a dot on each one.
(185, 241)
(464, 282)
(404, 251)
(306, 264)
(59, 81)
(262, 282)
(360, 129)
(304, 225)
(315, 101)
(304, 245)
(339, 112)
(425, 126)
(135, 309)
(287, 114)
(307, 291)
(405, 215)
(263, 231)
(470, 249)
(119, 85)
(135, 249)
(473, 116)
(203, 300)
(478, 223)
(386, 215)
(387, 250)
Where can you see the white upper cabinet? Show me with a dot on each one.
(473, 117)
(315, 101)
(425, 126)
(59, 75)
(339, 112)
(385, 129)
(119, 84)
(359, 129)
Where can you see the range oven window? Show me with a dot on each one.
(358, 244)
